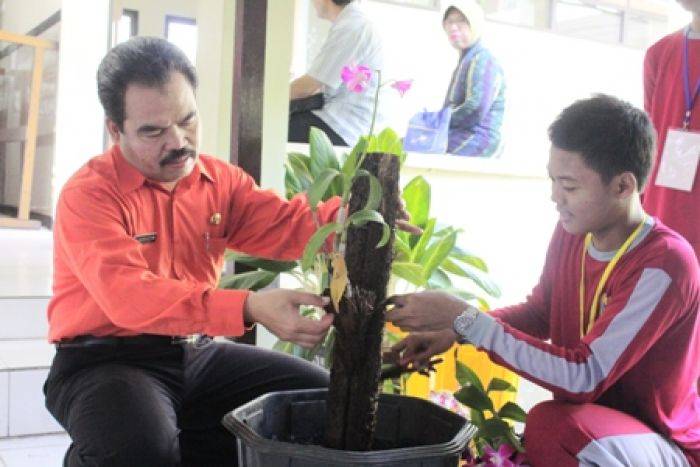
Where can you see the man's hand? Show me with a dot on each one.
(425, 311)
(278, 311)
(418, 348)
(403, 220)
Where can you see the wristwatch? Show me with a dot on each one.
(463, 322)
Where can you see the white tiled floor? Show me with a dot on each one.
(34, 451)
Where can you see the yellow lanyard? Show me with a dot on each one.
(603, 279)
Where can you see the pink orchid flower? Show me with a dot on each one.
(402, 86)
(356, 77)
(447, 400)
(501, 458)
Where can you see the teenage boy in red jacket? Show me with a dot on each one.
(612, 328)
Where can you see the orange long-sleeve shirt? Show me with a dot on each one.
(131, 257)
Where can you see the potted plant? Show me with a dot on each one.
(356, 270)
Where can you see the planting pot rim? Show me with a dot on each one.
(320, 453)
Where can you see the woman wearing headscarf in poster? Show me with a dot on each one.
(477, 88)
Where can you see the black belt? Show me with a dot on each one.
(142, 339)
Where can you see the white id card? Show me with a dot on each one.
(679, 161)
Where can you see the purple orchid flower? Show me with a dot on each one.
(402, 86)
(356, 77)
(502, 457)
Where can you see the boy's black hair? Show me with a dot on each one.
(611, 135)
(148, 61)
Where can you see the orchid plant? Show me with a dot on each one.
(356, 78)
(495, 443)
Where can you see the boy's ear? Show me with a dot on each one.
(625, 184)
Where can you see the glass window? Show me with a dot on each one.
(636, 23)
(128, 25)
(183, 33)
(532, 13)
(596, 22)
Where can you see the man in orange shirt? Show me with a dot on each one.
(140, 234)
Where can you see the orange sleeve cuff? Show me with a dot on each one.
(225, 312)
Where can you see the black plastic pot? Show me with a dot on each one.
(286, 429)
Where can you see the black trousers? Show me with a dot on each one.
(300, 124)
(140, 405)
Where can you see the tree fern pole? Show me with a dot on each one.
(356, 360)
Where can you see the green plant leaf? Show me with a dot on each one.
(498, 384)
(467, 377)
(423, 241)
(476, 417)
(494, 428)
(416, 195)
(350, 164)
(402, 250)
(439, 280)
(437, 253)
(477, 276)
(374, 198)
(387, 142)
(410, 272)
(321, 152)
(316, 242)
(283, 346)
(252, 280)
(358, 150)
(261, 263)
(512, 411)
(465, 256)
(360, 218)
(317, 191)
(298, 164)
(474, 398)
(291, 183)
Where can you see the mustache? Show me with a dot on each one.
(175, 154)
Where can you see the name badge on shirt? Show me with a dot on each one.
(146, 237)
(679, 161)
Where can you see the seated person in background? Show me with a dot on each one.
(618, 301)
(476, 92)
(345, 115)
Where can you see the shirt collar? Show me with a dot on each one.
(129, 178)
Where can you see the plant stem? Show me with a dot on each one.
(374, 118)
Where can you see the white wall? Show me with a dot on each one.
(79, 116)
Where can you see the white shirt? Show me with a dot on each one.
(351, 40)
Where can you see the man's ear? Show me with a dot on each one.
(113, 130)
(625, 184)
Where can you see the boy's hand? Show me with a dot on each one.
(425, 311)
(278, 311)
(418, 348)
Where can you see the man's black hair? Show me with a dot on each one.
(611, 135)
(147, 61)
(342, 2)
